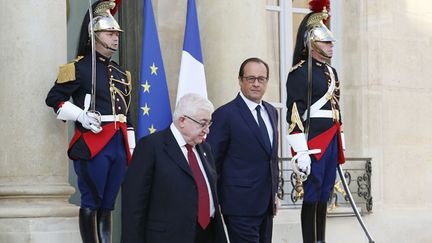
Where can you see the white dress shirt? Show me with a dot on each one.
(264, 114)
(182, 144)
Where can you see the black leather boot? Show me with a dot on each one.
(321, 216)
(308, 221)
(104, 225)
(87, 224)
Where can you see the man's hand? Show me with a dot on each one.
(277, 205)
(304, 163)
(90, 120)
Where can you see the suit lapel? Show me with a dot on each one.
(273, 121)
(210, 172)
(206, 164)
(250, 120)
(174, 152)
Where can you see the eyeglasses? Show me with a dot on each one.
(203, 124)
(251, 79)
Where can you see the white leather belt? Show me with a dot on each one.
(322, 114)
(113, 118)
(315, 109)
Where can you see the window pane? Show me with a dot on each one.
(300, 4)
(297, 19)
(273, 2)
(274, 85)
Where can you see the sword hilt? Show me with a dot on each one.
(302, 175)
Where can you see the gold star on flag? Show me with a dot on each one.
(152, 129)
(146, 87)
(146, 110)
(153, 69)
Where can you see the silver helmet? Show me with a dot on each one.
(102, 19)
(318, 30)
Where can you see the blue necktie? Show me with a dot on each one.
(263, 128)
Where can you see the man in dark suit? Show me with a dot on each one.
(244, 139)
(169, 193)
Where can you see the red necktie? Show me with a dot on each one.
(203, 194)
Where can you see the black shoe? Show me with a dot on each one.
(87, 225)
(104, 225)
(321, 216)
(308, 221)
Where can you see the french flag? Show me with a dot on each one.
(192, 75)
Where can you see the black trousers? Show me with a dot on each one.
(206, 235)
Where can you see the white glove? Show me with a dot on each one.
(90, 120)
(343, 141)
(304, 163)
(131, 139)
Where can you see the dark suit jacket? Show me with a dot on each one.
(159, 194)
(248, 173)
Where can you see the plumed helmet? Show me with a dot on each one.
(313, 24)
(104, 24)
(102, 18)
(318, 30)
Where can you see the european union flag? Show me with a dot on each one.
(154, 111)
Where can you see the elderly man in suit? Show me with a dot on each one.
(169, 193)
(244, 139)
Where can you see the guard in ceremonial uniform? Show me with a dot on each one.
(314, 118)
(104, 137)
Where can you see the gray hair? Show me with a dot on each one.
(191, 104)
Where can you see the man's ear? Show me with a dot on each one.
(181, 121)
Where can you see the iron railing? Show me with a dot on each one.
(358, 172)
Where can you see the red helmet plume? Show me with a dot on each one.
(318, 5)
(117, 5)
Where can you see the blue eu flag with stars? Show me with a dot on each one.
(154, 111)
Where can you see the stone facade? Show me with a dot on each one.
(34, 188)
(383, 66)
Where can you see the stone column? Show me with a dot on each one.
(34, 189)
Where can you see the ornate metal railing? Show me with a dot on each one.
(358, 172)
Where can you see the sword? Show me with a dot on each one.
(93, 63)
(353, 205)
(302, 175)
(309, 81)
(96, 128)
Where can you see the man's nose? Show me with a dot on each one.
(256, 82)
(206, 130)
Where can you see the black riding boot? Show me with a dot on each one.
(321, 216)
(87, 224)
(308, 221)
(104, 225)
